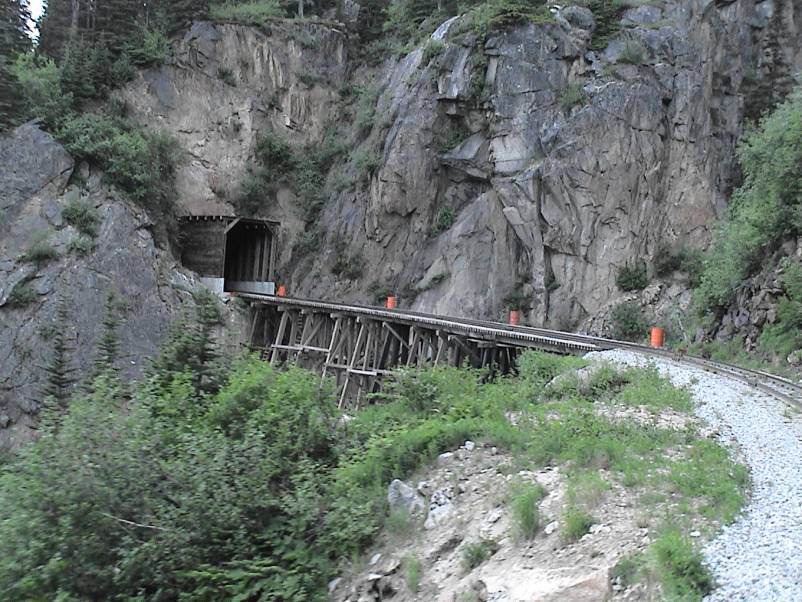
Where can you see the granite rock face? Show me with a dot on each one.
(529, 166)
(34, 179)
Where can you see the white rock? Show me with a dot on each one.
(374, 559)
(334, 583)
(470, 445)
(551, 527)
(445, 457)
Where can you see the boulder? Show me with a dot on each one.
(401, 496)
(579, 17)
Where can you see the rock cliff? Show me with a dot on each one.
(528, 166)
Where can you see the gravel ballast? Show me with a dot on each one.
(759, 556)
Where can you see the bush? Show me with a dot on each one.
(227, 76)
(682, 570)
(141, 165)
(632, 278)
(475, 553)
(633, 53)
(629, 323)
(82, 246)
(524, 505)
(444, 220)
(431, 50)
(83, 216)
(763, 210)
(496, 15)
(785, 334)
(249, 13)
(668, 260)
(40, 251)
(412, 572)
(367, 161)
(41, 82)
(572, 96)
(577, 523)
(21, 295)
(365, 109)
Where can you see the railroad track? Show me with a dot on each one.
(782, 388)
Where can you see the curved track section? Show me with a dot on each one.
(541, 338)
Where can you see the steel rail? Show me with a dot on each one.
(784, 389)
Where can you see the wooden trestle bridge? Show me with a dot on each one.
(358, 345)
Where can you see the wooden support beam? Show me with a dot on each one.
(279, 337)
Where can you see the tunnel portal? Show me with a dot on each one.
(231, 254)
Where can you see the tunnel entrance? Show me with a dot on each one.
(231, 254)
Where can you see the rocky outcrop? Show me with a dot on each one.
(528, 166)
(36, 184)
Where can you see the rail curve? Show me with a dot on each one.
(786, 390)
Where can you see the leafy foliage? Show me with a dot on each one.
(632, 277)
(571, 96)
(40, 250)
(763, 210)
(785, 334)
(14, 40)
(668, 260)
(83, 216)
(21, 295)
(496, 15)
(249, 13)
(475, 553)
(524, 506)
(683, 573)
(629, 323)
(577, 522)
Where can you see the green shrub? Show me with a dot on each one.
(82, 246)
(668, 260)
(41, 82)
(21, 295)
(367, 161)
(572, 96)
(524, 506)
(367, 97)
(537, 368)
(785, 334)
(40, 251)
(763, 210)
(82, 215)
(400, 522)
(140, 164)
(475, 553)
(681, 567)
(577, 523)
(497, 15)
(412, 572)
(628, 321)
(646, 387)
(632, 277)
(633, 53)
(349, 266)
(444, 220)
(249, 13)
(431, 50)
(626, 571)
(608, 22)
(585, 489)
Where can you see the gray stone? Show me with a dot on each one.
(579, 16)
(401, 496)
(441, 508)
(470, 445)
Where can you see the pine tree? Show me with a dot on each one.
(14, 39)
(60, 373)
(108, 347)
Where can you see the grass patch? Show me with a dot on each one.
(524, 506)
(413, 572)
(41, 251)
(82, 216)
(577, 522)
(626, 571)
(633, 53)
(475, 553)
(21, 295)
(431, 50)
(497, 15)
(585, 489)
(680, 567)
(647, 388)
(400, 523)
(573, 95)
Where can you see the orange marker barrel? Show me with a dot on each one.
(515, 317)
(657, 337)
(282, 291)
(392, 302)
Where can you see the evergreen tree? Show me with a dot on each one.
(108, 347)
(60, 373)
(15, 17)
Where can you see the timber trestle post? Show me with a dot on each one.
(358, 345)
(358, 351)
